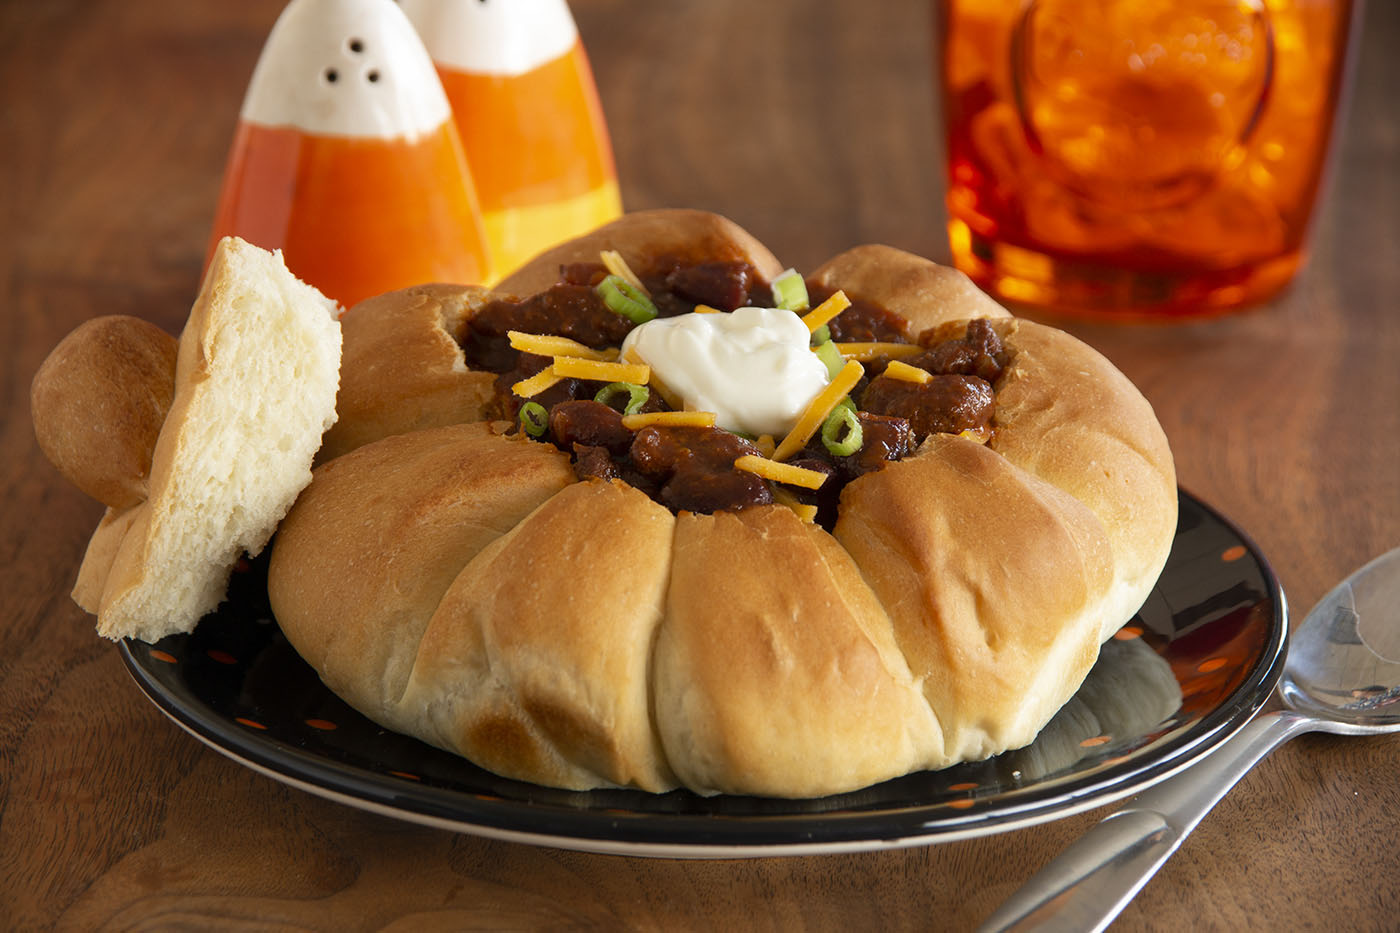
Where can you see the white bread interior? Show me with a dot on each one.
(255, 384)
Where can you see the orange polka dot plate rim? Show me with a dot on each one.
(1201, 658)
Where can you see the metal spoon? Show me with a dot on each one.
(1342, 676)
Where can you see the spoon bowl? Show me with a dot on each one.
(1342, 675)
(1343, 662)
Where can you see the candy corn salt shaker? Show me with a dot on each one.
(527, 109)
(347, 159)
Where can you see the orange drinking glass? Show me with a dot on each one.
(1137, 157)
(346, 157)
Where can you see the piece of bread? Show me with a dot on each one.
(403, 368)
(925, 293)
(98, 402)
(253, 389)
(579, 634)
(415, 531)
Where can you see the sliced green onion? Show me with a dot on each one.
(637, 396)
(842, 420)
(828, 354)
(622, 297)
(534, 419)
(790, 291)
(821, 335)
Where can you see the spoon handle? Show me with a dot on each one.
(1087, 885)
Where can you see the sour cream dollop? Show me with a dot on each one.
(754, 368)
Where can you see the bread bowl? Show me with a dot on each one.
(496, 596)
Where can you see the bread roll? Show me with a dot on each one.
(403, 366)
(462, 586)
(407, 535)
(777, 670)
(1068, 416)
(996, 584)
(923, 293)
(98, 403)
(535, 664)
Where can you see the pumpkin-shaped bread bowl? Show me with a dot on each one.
(457, 580)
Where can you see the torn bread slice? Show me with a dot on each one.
(255, 385)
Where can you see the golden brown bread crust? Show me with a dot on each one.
(356, 602)
(536, 662)
(924, 293)
(1068, 416)
(402, 367)
(102, 552)
(686, 235)
(988, 573)
(98, 403)
(777, 671)
(958, 602)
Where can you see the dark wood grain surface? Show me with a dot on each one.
(812, 124)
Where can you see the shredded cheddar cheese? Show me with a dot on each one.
(615, 264)
(976, 436)
(906, 373)
(803, 510)
(818, 409)
(706, 309)
(526, 388)
(865, 352)
(687, 419)
(597, 371)
(781, 472)
(550, 345)
(825, 311)
(766, 445)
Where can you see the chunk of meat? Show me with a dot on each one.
(590, 424)
(946, 404)
(695, 468)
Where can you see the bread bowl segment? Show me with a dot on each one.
(776, 669)
(922, 292)
(536, 663)
(996, 583)
(1066, 415)
(363, 559)
(642, 236)
(403, 368)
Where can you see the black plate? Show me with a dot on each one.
(1194, 666)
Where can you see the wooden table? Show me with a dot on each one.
(812, 125)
